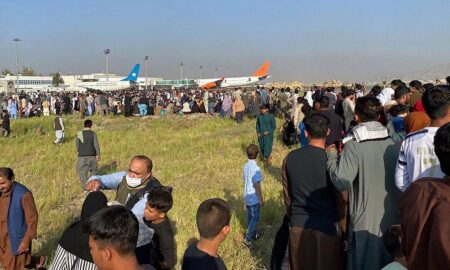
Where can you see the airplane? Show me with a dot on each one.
(114, 85)
(258, 76)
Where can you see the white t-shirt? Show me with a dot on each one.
(417, 158)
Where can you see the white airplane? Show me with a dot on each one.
(102, 85)
(258, 76)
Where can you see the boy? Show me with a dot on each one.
(113, 233)
(213, 223)
(18, 224)
(253, 198)
(58, 126)
(163, 243)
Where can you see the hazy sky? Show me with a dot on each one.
(310, 40)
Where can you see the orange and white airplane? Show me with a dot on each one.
(258, 76)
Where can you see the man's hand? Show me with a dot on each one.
(331, 148)
(261, 203)
(266, 133)
(94, 185)
(98, 158)
(23, 247)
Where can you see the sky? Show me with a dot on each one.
(305, 40)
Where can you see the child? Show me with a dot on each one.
(163, 243)
(213, 224)
(252, 193)
(391, 239)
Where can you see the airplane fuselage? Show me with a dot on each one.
(106, 85)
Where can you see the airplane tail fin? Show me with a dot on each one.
(133, 76)
(263, 70)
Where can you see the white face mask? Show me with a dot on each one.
(133, 182)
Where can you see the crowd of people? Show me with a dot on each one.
(367, 188)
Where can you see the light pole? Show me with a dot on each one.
(181, 71)
(107, 52)
(146, 70)
(215, 73)
(201, 69)
(17, 63)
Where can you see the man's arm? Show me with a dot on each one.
(96, 145)
(109, 181)
(285, 183)
(343, 172)
(402, 180)
(61, 122)
(167, 248)
(31, 219)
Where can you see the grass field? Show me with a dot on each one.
(200, 157)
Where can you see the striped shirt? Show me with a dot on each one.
(65, 260)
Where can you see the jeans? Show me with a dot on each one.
(90, 109)
(252, 221)
(142, 109)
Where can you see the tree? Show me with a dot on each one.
(28, 71)
(6, 72)
(57, 79)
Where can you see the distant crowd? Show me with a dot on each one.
(368, 186)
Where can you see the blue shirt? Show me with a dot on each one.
(252, 174)
(112, 181)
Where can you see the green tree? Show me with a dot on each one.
(6, 72)
(57, 79)
(28, 71)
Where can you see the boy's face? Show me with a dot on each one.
(152, 214)
(99, 255)
(5, 184)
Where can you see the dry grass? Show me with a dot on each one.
(201, 157)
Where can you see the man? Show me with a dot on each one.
(103, 104)
(113, 233)
(310, 199)
(366, 169)
(58, 126)
(265, 128)
(336, 131)
(88, 152)
(348, 106)
(359, 90)
(90, 104)
(332, 96)
(18, 224)
(5, 129)
(425, 207)
(283, 103)
(132, 188)
(46, 107)
(417, 158)
(415, 88)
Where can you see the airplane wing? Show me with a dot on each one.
(213, 84)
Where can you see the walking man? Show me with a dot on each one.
(88, 152)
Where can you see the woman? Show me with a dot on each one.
(73, 252)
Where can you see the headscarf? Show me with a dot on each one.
(73, 239)
(416, 121)
(309, 98)
(386, 95)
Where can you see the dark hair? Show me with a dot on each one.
(147, 160)
(416, 85)
(300, 99)
(442, 147)
(436, 102)
(398, 109)
(264, 107)
(376, 90)
(368, 108)
(282, 90)
(7, 173)
(317, 125)
(324, 102)
(397, 83)
(358, 86)
(87, 123)
(448, 79)
(391, 240)
(161, 199)
(114, 226)
(212, 216)
(400, 92)
(427, 86)
(252, 151)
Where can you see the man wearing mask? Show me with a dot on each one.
(132, 188)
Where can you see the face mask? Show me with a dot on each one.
(133, 182)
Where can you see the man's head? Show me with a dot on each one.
(367, 109)
(316, 126)
(159, 202)
(252, 151)
(113, 233)
(396, 83)
(436, 102)
(415, 86)
(324, 102)
(213, 219)
(448, 80)
(264, 108)
(442, 147)
(6, 179)
(401, 95)
(88, 123)
(139, 170)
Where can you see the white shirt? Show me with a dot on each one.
(417, 158)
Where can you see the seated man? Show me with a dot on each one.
(113, 233)
(132, 192)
